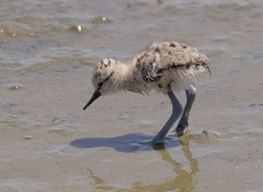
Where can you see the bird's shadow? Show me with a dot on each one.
(129, 143)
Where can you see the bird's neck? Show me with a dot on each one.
(123, 73)
(127, 79)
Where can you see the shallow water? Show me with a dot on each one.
(47, 53)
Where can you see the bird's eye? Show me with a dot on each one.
(100, 84)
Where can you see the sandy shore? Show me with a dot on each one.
(48, 143)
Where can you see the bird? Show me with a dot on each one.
(165, 66)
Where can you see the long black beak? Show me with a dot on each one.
(95, 96)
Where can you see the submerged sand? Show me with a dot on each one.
(48, 143)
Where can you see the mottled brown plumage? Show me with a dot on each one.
(161, 66)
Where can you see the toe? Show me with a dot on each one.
(180, 129)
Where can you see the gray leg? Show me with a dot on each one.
(183, 123)
(177, 110)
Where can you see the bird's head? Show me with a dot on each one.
(103, 79)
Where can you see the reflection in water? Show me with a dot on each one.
(99, 183)
(182, 182)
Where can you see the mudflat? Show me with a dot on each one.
(48, 143)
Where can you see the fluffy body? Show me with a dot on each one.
(164, 66)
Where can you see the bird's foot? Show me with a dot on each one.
(157, 141)
(181, 128)
(155, 144)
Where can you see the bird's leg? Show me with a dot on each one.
(183, 123)
(177, 110)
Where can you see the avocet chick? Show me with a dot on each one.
(163, 66)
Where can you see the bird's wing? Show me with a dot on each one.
(160, 57)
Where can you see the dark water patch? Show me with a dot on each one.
(256, 104)
(77, 28)
(15, 87)
(100, 20)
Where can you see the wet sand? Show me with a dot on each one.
(48, 143)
